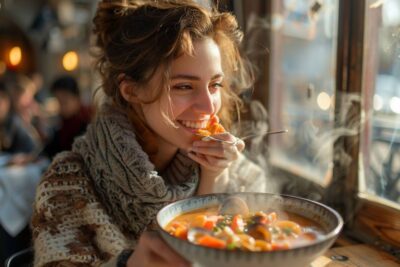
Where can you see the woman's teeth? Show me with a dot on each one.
(194, 124)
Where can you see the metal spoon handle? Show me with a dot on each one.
(262, 133)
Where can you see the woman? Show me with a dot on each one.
(167, 68)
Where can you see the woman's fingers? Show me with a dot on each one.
(210, 162)
(217, 155)
(158, 247)
(153, 251)
(216, 152)
(240, 144)
(218, 149)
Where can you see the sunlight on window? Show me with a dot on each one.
(305, 79)
(395, 104)
(324, 101)
(378, 102)
(382, 153)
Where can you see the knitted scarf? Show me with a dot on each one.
(124, 178)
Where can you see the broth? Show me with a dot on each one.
(258, 231)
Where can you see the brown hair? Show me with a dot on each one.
(136, 37)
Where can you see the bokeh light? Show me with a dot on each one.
(15, 56)
(70, 61)
(378, 102)
(395, 104)
(323, 101)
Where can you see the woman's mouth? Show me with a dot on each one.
(193, 125)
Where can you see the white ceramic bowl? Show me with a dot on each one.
(326, 217)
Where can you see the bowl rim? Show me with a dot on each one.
(326, 237)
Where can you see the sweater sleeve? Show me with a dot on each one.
(69, 225)
(246, 176)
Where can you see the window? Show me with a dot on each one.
(329, 72)
(303, 86)
(383, 105)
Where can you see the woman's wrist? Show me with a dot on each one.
(221, 182)
(212, 182)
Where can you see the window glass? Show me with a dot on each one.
(382, 149)
(303, 86)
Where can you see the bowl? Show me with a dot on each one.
(302, 256)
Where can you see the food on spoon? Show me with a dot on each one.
(213, 127)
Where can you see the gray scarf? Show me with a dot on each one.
(124, 178)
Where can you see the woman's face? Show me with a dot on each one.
(195, 95)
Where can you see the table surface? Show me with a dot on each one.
(358, 255)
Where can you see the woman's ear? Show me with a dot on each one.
(129, 91)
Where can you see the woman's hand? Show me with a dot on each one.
(214, 155)
(154, 252)
(214, 158)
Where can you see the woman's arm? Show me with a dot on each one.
(71, 227)
(69, 224)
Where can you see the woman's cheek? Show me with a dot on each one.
(217, 102)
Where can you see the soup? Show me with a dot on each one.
(258, 231)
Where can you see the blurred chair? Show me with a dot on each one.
(23, 258)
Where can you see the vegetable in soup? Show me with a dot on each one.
(259, 231)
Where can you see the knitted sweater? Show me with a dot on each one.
(88, 209)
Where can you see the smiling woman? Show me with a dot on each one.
(168, 69)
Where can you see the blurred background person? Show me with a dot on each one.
(16, 136)
(20, 171)
(74, 116)
(27, 109)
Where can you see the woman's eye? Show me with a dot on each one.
(217, 86)
(182, 87)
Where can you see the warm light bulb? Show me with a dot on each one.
(70, 61)
(15, 55)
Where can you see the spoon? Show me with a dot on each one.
(194, 233)
(233, 205)
(208, 138)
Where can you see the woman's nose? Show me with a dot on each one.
(204, 102)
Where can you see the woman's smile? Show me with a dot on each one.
(193, 126)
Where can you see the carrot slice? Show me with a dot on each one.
(210, 241)
(209, 225)
(237, 224)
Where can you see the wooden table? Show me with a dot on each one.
(356, 255)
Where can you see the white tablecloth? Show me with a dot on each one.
(17, 193)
